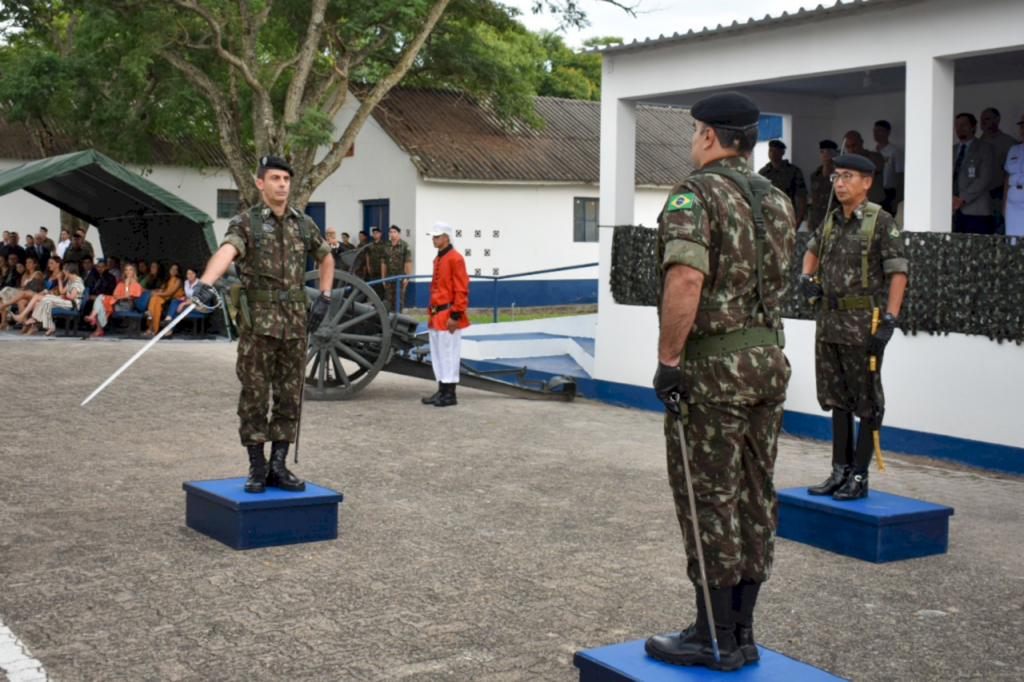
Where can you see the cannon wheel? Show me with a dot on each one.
(352, 344)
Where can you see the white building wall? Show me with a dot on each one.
(534, 225)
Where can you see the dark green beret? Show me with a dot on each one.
(777, 144)
(268, 162)
(727, 110)
(854, 162)
(827, 144)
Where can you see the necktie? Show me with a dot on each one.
(956, 170)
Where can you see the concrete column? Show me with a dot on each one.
(618, 196)
(929, 162)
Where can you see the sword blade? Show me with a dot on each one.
(142, 350)
(696, 537)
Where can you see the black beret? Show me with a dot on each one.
(344, 234)
(854, 162)
(268, 162)
(375, 229)
(728, 110)
(827, 144)
(396, 228)
(777, 144)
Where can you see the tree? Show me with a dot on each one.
(270, 76)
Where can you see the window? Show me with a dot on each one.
(227, 203)
(585, 219)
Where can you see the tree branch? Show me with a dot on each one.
(306, 54)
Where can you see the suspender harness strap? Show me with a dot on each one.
(867, 231)
(755, 188)
(255, 231)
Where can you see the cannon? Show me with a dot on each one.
(360, 338)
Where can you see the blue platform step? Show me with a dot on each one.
(879, 528)
(628, 662)
(223, 510)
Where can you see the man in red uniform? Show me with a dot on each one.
(449, 298)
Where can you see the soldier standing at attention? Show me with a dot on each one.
(271, 242)
(449, 299)
(375, 262)
(786, 177)
(855, 252)
(397, 261)
(821, 185)
(724, 243)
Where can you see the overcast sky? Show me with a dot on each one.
(657, 17)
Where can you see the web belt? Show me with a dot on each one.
(734, 341)
(276, 296)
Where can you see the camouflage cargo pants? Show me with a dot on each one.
(732, 461)
(845, 381)
(267, 365)
(390, 289)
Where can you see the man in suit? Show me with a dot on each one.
(39, 251)
(972, 177)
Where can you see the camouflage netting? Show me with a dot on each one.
(965, 284)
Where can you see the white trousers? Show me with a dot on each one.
(445, 354)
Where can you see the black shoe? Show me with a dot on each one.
(256, 483)
(693, 645)
(855, 487)
(832, 483)
(447, 397)
(434, 398)
(278, 476)
(744, 598)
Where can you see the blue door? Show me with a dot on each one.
(376, 213)
(317, 210)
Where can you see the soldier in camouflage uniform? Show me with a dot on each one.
(375, 262)
(397, 261)
(720, 349)
(272, 344)
(850, 284)
(821, 185)
(786, 177)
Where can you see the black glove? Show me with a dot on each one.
(882, 335)
(205, 296)
(317, 313)
(811, 289)
(668, 386)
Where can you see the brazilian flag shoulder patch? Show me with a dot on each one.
(680, 202)
(894, 232)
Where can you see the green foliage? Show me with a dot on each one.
(313, 129)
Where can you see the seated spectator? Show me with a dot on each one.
(63, 244)
(114, 268)
(53, 270)
(87, 271)
(105, 282)
(70, 289)
(31, 284)
(127, 290)
(11, 277)
(191, 277)
(172, 288)
(152, 276)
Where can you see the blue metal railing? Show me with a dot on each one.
(494, 279)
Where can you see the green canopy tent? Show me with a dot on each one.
(135, 217)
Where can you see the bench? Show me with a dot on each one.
(68, 315)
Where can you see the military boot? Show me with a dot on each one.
(256, 483)
(693, 646)
(842, 453)
(279, 476)
(856, 485)
(447, 397)
(744, 598)
(434, 398)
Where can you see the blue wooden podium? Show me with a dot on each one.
(628, 662)
(879, 528)
(223, 510)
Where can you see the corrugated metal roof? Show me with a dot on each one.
(450, 137)
(16, 142)
(803, 15)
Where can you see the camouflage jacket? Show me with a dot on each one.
(282, 255)
(841, 271)
(395, 257)
(821, 192)
(788, 178)
(374, 257)
(711, 229)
